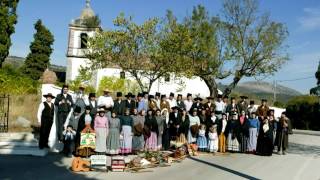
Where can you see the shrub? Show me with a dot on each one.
(304, 112)
(115, 84)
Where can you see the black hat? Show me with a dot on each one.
(77, 109)
(264, 100)
(179, 95)
(174, 107)
(163, 96)
(140, 95)
(251, 102)
(144, 93)
(189, 94)
(171, 94)
(158, 94)
(119, 94)
(226, 96)
(198, 98)
(219, 96)
(210, 97)
(49, 95)
(151, 96)
(133, 96)
(232, 98)
(88, 108)
(244, 97)
(92, 95)
(65, 86)
(224, 114)
(128, 95)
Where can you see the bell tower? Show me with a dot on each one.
(80, 30)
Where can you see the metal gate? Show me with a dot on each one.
(4, 113)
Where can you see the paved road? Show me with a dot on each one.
(302, 162)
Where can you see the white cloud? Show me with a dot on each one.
(311, 19)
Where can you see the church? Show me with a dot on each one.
(78, 34)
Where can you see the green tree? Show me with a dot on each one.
(133, 48)
(8, 18)
(40, 50)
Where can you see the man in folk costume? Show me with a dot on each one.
(164, 104)
(45, 117)
(152, 103)
(197, 104)
(141, 102)
(157, 99)
(283, 131)
(73, 121)
(64, 103)
(93, 103)
(106, 102)
(80, 99)
(172, 101)
(188, 102)
(146, 101)
(232, 108)
(263, 109)
(174, 123)
(243, 104)
(210, 105)
(119, 105)
(180, 103)
(130, 103)
(219, 107)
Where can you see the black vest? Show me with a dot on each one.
(48, 112)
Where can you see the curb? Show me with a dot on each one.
(306, 132)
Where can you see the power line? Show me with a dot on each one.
(298, 79)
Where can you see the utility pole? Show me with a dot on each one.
(274, 91)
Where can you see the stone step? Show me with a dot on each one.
(7, 144)
(24, 151)
(26, 136)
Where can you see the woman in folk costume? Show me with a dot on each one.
(213, 140)
(233, 128)
(113, 139)
(45, 119)
(151, 123)
(93, 103)
(193, 126)
(164, 104)
(222, 124)
(254, 127)
(126, 122)
(101, 127)
(243, 132)
(166, 132)
(264, 144)
(138, 124)
(184, 127)
(203, 116)
(283, 131)
(161, 121)
(86, 124)
(202, 140)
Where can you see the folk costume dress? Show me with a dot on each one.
(254, 127)
(151, 141)
(233, 135)
(184, 129)
(213, 142)
(161, 121)
(283, 131)
(265, 138)
(194, 120)
(126, 132)
(113, 139)
(202, 141)
(243, 134)
(101, 127)
(138, 138)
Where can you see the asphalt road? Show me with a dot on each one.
(302, 162)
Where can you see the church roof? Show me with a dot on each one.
(87, 12)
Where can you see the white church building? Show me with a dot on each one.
(78, 33)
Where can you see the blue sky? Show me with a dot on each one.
(301, 17)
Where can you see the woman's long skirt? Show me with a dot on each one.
(213, 145)
(126, 143)
(202, 143)
(166, 139)
(232, 144)
(264, 146)
(151, 142)
(138, 143)
(243, 144)
(159, 141)
(101, 138)
(113, 141)
(253, 137)
(190, 138)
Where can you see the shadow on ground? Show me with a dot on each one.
(302, 149)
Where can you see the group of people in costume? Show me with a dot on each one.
(130, 124)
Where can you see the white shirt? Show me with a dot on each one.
(40, 109)
(220, 106)
(224, 125)
(172, 103)
(194, 120)
(105, 101)
(188, 104)
(93, 103)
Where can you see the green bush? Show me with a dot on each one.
(115, 84)
(304, 112)
(13, 82)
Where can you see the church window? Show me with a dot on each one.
(84, 40)
(122, 75)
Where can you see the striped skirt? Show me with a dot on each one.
(151, 142)
(232, 144)
(126, 142)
